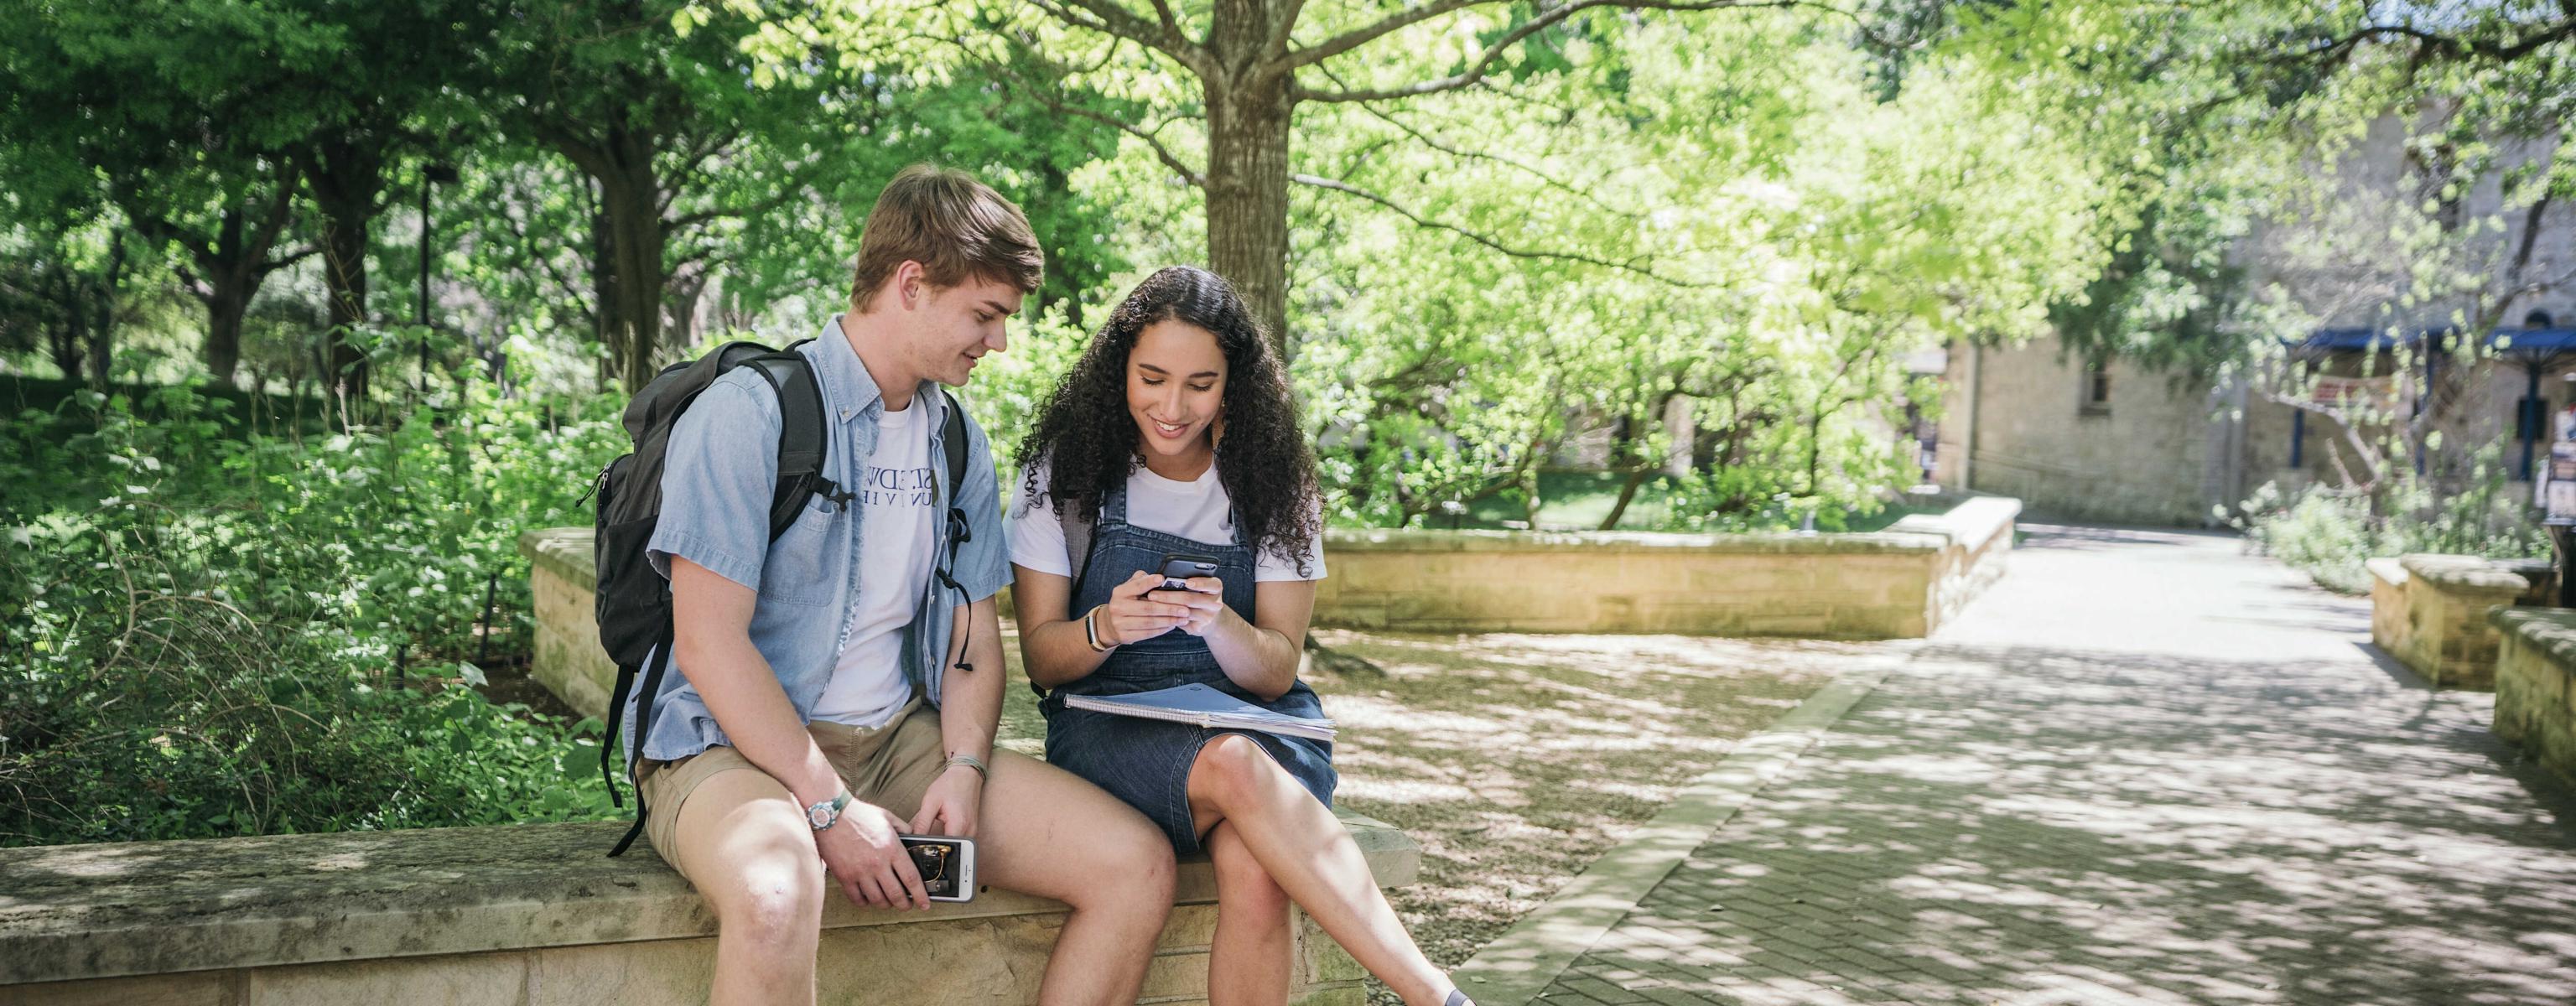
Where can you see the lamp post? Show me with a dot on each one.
(431, 174)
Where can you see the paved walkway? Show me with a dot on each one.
(2145, 768)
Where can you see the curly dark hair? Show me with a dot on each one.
(1090, 444)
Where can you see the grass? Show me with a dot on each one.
(1516, 760)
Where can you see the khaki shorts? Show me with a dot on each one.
(890, 766)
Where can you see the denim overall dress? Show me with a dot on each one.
(1147, 762)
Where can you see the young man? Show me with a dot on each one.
(834, 689)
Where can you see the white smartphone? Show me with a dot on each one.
(946, 864)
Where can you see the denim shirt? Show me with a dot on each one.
(717, 479)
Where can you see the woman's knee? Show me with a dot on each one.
(1229, 767)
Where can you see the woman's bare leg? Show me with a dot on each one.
(1249, 959)
(1307, 852)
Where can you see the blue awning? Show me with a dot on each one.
(2519, 342)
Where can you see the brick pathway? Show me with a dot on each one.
(2145, 769)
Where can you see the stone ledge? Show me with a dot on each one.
(1972, 523)
(567, 551)
(2387, 570)
(1617, 542)
(2552, 631)
(2463, 573)
(76, 912)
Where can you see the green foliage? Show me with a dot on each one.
(2329, 534)
(207, 624)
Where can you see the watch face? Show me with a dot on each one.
(820, 815)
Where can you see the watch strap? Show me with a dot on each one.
(824, 815)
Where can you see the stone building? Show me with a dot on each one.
(2117, 442)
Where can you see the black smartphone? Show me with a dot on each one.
(1178, 567)
(946, 864)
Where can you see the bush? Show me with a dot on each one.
(206, 625)
(2330, 535)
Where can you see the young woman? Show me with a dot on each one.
(1175, 433)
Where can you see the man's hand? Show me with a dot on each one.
(862, 852)
(950, 805)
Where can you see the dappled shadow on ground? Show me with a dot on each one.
(1516, 760)
(2092, 537)
(2023, 825)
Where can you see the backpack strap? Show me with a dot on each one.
(952, 441)
(1076, 521)
(803, 440)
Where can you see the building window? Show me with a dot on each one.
(2097, 390)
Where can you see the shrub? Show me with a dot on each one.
(206, 625)
(2330, 535)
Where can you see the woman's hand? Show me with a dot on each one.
(1205, 602)
(1133, 616)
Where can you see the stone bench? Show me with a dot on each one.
(526, 915)
(2430, 612)
(2535, 684)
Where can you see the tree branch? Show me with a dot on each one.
(1106, 17)
(1489, 242)
(1483, 64)
(1429, 141)
(2430, 44)
(1048, 96)
(1357, 37)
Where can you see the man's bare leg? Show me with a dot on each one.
(1046, 832)
(744, 844)
(1249, 958)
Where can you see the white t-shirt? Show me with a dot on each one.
(1198, 510)
(894, 497)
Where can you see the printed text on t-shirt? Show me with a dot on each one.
(896, 487)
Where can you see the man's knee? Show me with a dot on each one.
(1141, 860)
(773, 897)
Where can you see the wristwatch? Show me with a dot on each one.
(822, 815)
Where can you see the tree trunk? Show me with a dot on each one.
(64, 340)
(227, 301)
(1247, 191)
(346, 178)
(102, 324)
(629, 236)
(1627, 492)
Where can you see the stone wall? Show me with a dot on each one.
(2392, 618)
(523, 916)
(2144, 457)
(2535, 684)
(1902, 583)
(2443, 634)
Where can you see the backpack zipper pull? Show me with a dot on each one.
(597, 485)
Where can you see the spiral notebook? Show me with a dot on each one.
(1202, 706)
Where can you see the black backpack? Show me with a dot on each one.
(634, 602)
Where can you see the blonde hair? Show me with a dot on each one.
(956, 227)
